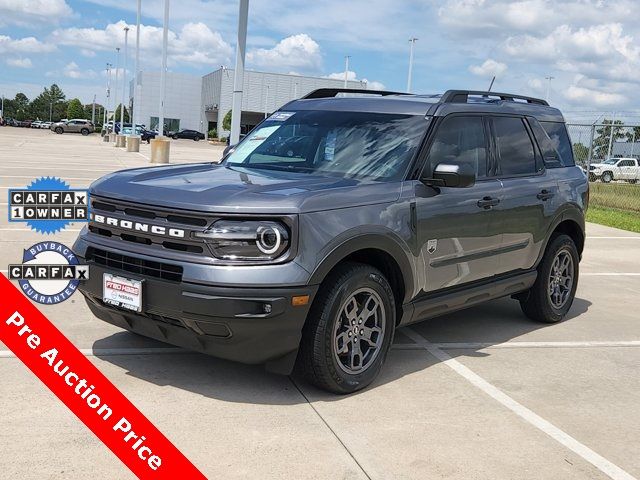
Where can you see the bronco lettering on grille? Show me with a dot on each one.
(138, 226)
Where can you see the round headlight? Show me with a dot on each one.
(269, 239)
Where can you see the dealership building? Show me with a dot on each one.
(200, 103)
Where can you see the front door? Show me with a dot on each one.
(457, 228)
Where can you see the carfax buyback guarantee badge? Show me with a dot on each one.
(49, 273)
(48, 205)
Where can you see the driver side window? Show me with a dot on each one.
(460, 140)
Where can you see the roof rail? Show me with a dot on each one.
(462, 96)
(332, 92)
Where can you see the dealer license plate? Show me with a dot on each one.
(122, 292)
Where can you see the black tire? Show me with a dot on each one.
(537, 303)
(318, 359)
(633, 182)
(592, 177)
(606, 177)
(175, 137)
(58, 130)
(84, 132)
(196, 139)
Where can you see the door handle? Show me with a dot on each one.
(545, 195)
(488, 202)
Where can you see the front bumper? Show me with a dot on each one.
(229, 323)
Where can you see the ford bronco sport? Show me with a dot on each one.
(338, 219)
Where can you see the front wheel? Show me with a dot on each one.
(175, 137)
(349, 329)
(607, 177)
(552, 294)
(196, 139)
(58, 130)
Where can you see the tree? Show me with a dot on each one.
(75, 109)
(601, 142)
(226, 121)
(21, 106)
(580, 153)
(126, 114)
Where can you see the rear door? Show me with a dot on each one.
(457, 230)
(628, 169)
(530, 194)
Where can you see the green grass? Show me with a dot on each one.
(612, 217)
(620, 196)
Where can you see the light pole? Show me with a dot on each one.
(136, 78)
(2, 109)
(115, 105)
(412, 42)
(238, 74)
(346, 69)
(108, 96)
(266, 97)
(124, 79)
(50, 111)
(548, 79)
(163, 72)
(613, 122)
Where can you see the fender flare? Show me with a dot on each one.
(386, 241)
(570, 212)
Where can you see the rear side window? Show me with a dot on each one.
(460, 140)
(516, 155)
(627, 163)
(560, 138)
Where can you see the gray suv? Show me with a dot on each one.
(78, 125)
(338, 219)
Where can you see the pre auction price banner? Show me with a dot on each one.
(86, 391)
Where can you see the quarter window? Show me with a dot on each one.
(460, 140)
(514, 147)
(558, 134)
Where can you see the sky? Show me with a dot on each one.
(591, 48)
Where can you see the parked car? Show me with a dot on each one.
(337, 220)
(190, 134)
(627, 169)
(46, 125)
(145, 135)
(36, 124)
(85, 127)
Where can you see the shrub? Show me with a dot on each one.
(213, 133)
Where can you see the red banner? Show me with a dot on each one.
(86, 391)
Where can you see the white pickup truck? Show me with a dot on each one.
(627, 169)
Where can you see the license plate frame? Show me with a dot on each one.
(122, 292)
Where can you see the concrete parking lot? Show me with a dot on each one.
(482, 393)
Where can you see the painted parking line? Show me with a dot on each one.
(614, 238)
(610, 274)
(17, 229)
(598, 461)
(30, 176)
(487, 345)
(58, 168)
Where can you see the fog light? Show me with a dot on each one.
(266, 307)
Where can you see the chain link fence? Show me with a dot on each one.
(609, 153)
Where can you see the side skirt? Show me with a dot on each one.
(457, 298)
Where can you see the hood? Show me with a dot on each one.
(221, 189)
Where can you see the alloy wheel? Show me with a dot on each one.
(561, 279)
(359, 331)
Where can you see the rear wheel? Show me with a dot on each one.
(552, 294)
(196, 139)
(175, 137)
(607, 177)
(84, 132)
(349, 329)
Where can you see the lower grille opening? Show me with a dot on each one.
(100, 231)
(182, 247)
(126, 263)
(135, 239)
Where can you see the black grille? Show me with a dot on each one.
(126, 263)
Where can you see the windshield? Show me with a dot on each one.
(346, 144)
(610, 161)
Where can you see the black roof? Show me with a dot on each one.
(452, 101)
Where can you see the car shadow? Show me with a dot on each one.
(492, 323)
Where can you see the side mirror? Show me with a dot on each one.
(453, 175)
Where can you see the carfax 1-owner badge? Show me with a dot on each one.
(49, 273)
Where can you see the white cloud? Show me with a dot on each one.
(581, 96)
(19, 62)
(87, 53)
(195, 43)
(489, 68)
(24, 45)
(73, 70)
(352, 77)
(25, 12)
(297, 51)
